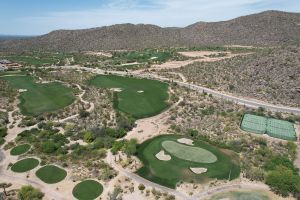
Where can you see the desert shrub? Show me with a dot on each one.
(141, 187)
(29, 193)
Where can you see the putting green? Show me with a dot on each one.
(137, 97)
(87, 190)
(51, 174)
(40, 98)
(169, 173)
(20, 149)
(184, 152)
(25, 165)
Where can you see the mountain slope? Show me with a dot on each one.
(266, 28)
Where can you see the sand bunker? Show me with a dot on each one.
(185, 141)
(140, 91)
(198, 170)
(116, 89)
(22, 90)
(162, 156)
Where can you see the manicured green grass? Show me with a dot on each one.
(241, 195)
(184, 152)
(40, 98)
(169, 173)
(25, 165)
(51, 174)
(150, 102)
(20, 149)
(17, 73)
(87, 190)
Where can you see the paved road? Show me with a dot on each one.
(239, 100)
(242, 101)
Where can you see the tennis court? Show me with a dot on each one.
(254, 124)
(273, 127)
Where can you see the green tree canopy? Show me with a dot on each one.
(283, 181)
(30, 193)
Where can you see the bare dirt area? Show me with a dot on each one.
(99, 53)
(197, 54)
(59, 191)
(201, 56)
(241, 46)
(152, 126)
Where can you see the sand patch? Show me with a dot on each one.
(105, 54)
(116, 89)
(22, 90)
(163, 156)
(128, 64)
(198, 170)
(239, 46)
(202, 56)
(45, 82)
(140, 91)
(185, 141)
(196, 54)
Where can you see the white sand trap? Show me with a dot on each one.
(198, 170)
(22, 90)
(185, 141)
(116, 89)
(163, 156)
(140, 91)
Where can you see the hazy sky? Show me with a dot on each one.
(33, 17)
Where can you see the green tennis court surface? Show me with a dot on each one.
(273, 127)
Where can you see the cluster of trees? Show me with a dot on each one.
(26, 192)
(2, 135)
(128, 147)
(92, 135)
(29, 193)
(46, 141)
(282, 176)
